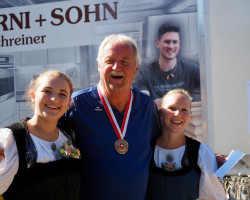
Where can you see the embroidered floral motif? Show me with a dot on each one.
(169, 166)
(68, 151)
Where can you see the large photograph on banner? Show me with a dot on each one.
(65, 35)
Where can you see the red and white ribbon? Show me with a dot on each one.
(119, 132)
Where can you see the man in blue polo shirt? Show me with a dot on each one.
(114, 123)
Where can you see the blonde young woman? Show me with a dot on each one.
(181, 168)
(34, 148)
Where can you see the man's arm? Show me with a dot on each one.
(146, 92)
(157, 101)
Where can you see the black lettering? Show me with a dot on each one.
(97, 13)
(79, 14)
(4, 42)
(4, 19)
(28, 40)
(36, 39)
(11, 39)
(22, 39)
(27, 20)
(43, 36)
(57, 16)
(17, 41)
(112, 12)
(18, 22)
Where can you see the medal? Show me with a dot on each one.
(121, 145)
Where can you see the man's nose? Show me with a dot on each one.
(171, 44)
(116, 66)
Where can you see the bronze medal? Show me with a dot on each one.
(121, 146)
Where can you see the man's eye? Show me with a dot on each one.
(126, 63)
(109, 61)
(172, 41)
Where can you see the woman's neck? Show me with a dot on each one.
(171, 140)
(43, 129)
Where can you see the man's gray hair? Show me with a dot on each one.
(119, 38)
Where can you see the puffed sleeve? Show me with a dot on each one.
(8, 166)
(210, 186)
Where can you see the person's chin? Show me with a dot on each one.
(116, 87)
(171, 57)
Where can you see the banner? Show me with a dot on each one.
(68, 23)
(65, 35)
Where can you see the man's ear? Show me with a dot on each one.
(32, 97)
(157, 42)
(137, 68)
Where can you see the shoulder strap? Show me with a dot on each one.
(19, 133)
(193, 147)
(67, 131)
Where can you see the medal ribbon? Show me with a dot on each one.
(119, 132)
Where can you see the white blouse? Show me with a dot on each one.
(9, 166)
(210, 186)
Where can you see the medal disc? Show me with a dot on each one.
(121, 146)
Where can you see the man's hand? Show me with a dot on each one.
(2, 156)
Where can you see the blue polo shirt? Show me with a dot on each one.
(108, 175)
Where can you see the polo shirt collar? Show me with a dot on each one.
(138, 101)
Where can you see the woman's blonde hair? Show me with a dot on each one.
(177, 91)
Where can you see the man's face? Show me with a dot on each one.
(117, 67)
(169, 45)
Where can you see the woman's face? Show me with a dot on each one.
(175, 113)
(51, 98)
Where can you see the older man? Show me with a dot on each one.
(114, 124)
